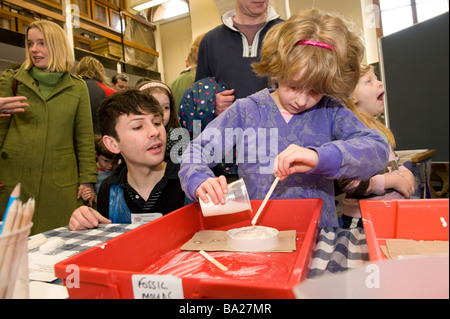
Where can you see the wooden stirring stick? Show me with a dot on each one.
(213, 260)
(255, 219)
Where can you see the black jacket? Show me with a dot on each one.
(166, 197)
(225, 55)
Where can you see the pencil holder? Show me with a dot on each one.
(14, 264)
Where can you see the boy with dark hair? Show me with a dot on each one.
(143, 187)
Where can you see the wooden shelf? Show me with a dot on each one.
(97, 26)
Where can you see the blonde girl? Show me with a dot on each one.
(297, 131)
(394, 181)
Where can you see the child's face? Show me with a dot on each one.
(164, 101)
(106, 164)
(294, 99)
(142, 139)
(368, 95)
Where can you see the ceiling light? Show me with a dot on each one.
(145, 4)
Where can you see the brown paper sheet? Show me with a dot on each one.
(403, 247)
(216, 240)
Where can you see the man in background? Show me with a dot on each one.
(227, 52)
(119, 82)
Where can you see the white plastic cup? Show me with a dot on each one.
(237, 200)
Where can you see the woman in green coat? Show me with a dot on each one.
(49, 148)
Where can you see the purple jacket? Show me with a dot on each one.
(346, 149)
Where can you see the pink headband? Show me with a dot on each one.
(154, 84)
(316, 44)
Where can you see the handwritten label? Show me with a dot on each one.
(157, 287)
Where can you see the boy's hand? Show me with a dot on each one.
(215, 188)
(86, 218)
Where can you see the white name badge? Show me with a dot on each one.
(157, 287)
(144, 218)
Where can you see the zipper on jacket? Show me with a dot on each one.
(249, 51)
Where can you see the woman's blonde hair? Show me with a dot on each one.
(331, 72)
(370, 121)
(61, 57)
(92, 68)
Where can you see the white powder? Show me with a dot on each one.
(253, 238)
(255, 232)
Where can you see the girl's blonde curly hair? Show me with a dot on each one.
(330, 72)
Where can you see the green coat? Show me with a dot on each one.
(49, 149)
(180, 84)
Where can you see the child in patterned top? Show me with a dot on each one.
(197, 109)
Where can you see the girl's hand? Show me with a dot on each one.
(406, 173)
(215, 187)
(87, 193)
(295, 159)
(402, 183)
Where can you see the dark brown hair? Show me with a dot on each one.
(126, 102)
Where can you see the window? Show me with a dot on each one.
(114, 19)
(427, 9)
(100, 12)
(169, 9)
(400, 14)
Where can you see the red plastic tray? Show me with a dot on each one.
(417, 219)
(105, 271)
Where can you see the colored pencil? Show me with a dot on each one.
(14, 195)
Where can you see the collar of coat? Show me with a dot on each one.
(23, 76)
